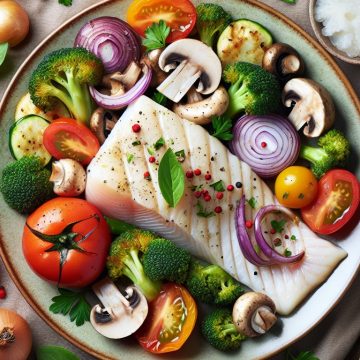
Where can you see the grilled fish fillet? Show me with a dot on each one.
(116, 185)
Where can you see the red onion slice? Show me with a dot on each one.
(119, 102)
(268, 144)
(264, 246)
(112, 40)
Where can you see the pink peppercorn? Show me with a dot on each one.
(208, 177)
(218, 209)
(197, 172)
(207, 197)
(263, 144)
(189, 174)
(152, 159)
(230, 188)
(219, 195)
(136, 128)
(249, 224)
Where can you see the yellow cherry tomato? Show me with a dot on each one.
(14, 22)
(296, 187)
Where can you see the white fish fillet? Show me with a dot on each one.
(116, 185)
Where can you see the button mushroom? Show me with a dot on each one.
(283, 61)
(199, 110)
(69, 177)
(254, 314)
(312, 106)
(151, 59)
(192, 61)
(102, 122)
(121, 315)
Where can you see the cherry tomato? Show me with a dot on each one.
(66, 231)
(170, 321)
(336, 203)
(296, 187)
(179, 15)
(66, 138)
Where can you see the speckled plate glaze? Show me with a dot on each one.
(38, 293)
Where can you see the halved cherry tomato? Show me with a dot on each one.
(66, 241)
(170, 321)
(179, 15)
(66, 138)
(336, 203)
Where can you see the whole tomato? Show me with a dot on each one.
(66, 241)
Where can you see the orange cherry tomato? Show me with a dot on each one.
(170, 321)
(66, 241)
(179, 15)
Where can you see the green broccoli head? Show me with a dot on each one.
(219, 330)
(212, 285)
(163, 260)
(124, 260)
(252, 89)
(333, 150)
(64, 75)
(211, 20)
(25, 184)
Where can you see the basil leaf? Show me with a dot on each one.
(159, 143)
(4, 47)
(218, 186)
(50, 352)
(171, 178)
(252, 202)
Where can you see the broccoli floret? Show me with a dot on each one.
(211, 20)
(65, 75)
(25, 184)
(252, 89)
(212, 285)
(163, 260)
(333, 150)
(124, 260)
(219, 330)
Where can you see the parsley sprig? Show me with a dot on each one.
(278, 226)
(72, 303)
(222, 128)
(156, 35)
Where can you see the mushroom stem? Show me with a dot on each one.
(193, 96)
(263, 319)
(290, 64)
(129, 77)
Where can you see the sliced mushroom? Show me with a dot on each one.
(122, 314)
(312, 106)
(151, 59)
(69, 177)
(199, 110)
(192, 61)
(254, 314)
(102, 122)
(283, 61)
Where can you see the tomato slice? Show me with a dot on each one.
(170, 321)
(336, 203)
(66, 138)
(179, 15)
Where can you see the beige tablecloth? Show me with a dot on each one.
(336, 336)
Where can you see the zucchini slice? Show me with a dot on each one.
(26, 138)
(243, 40)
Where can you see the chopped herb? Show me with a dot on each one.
(257, 248)
(160, 98)
(72, 303)
(301, 196)
(196, 187)
(289, 1)
(129, 157)
(65, 2)
(136, 143)
(285, 195)
(159, 143)
(155, 36)
(304, 355)
(202, 212)
(293, 237)
(222, 128)
(218, 186)
(180, 155)
(287, 252)
(252, 202)
(151, 150)
(278, 226)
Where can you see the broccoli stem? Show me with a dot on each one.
(229, 329)
(312, 154)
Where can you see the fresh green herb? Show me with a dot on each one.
(257, 248)
(159, 143)
(252, 202)
(287, 252)
(155, 36)
(293, 237)
(65, 2)
(136, 143)
(160, 98)
(72, 303)
(129, 157)
(180, 155)
(218, 186)
(285, 195)
(4, 47)
(304, 355)
(49, 352)
(202, 212)
(196, 187)
(301, 196)
(118, 227)
(278, 226)
(289, 1)
(151, 150)
(171, 178)
(222, 128)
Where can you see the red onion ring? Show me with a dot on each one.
(280, 139)
(112, 40)
(119, 102)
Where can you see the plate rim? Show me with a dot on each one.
(3, 104)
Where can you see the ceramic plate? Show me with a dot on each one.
(38, 293)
